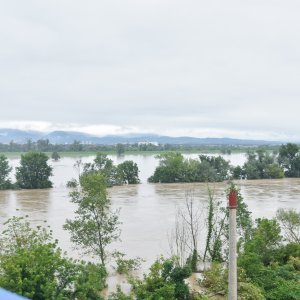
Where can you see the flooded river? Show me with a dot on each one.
(147, 210)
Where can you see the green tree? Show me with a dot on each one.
(32, 265)
(174, 168)
(5, 170)
(34, 172)
(164, 281)
(120, 148)
(105, 166)
(289, 159)
(128, 172)
(261, 165)
(55, 155)
(95, 225)
(290, 221)
(170, 169)
(269, 264)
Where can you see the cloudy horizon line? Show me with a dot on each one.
(101, 130)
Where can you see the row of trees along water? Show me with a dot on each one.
(260, 164)
(34, 172)
(32, 264)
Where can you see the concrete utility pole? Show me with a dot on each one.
(232, 274)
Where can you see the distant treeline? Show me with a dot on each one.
(44, 145)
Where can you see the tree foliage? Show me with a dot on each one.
(128, 172)
(5, 170)
(95, 225)
(289, 159)
(290, 221)
(124, 173)
(34, 171)
(173, 167)
(55, 155)
(32, 265)
(164, 281)
(270, 264)
(120, 148)
(259, 165)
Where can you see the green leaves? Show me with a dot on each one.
(5, 170)
(34, 172)
(32, 265)
(95, 225)
(173, 167)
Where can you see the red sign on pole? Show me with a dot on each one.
(232, 199)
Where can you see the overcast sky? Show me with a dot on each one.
(197, 68)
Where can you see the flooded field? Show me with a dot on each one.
(147, 210)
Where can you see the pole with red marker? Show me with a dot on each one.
(232, 272)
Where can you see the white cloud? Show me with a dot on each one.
(188, 67)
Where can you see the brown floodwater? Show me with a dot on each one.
(147, 210)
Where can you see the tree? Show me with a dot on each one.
(290, 220)
(5, 170)
(289, 159)
(34, 172)
(128, 172)
(261, 165)
(95, 225)
(105, 166)
(184, 237)
(55, 155)
(32, 265)
(269, 264)
(173, 167)
(120, 148)
(164, 281)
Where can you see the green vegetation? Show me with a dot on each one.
(289, 160)
(95, 225)
(44, 145)
(32, 265)
(34, 172)
(173, 167)
(124, 173)
(5, 170)
(128, 172)
(164, 281)
(55, 156)
(260, 164)
(270, 264)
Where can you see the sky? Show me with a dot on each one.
(194, 68)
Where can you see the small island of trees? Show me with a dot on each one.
(260, 164)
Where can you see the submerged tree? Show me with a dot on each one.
(95, 225)
(128, 172)
(5, 170)
(55, 155)
(34, 172)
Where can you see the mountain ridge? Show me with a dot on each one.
(67, 137)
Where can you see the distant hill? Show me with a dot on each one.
(68, 137)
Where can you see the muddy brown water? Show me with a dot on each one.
(147, 210)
